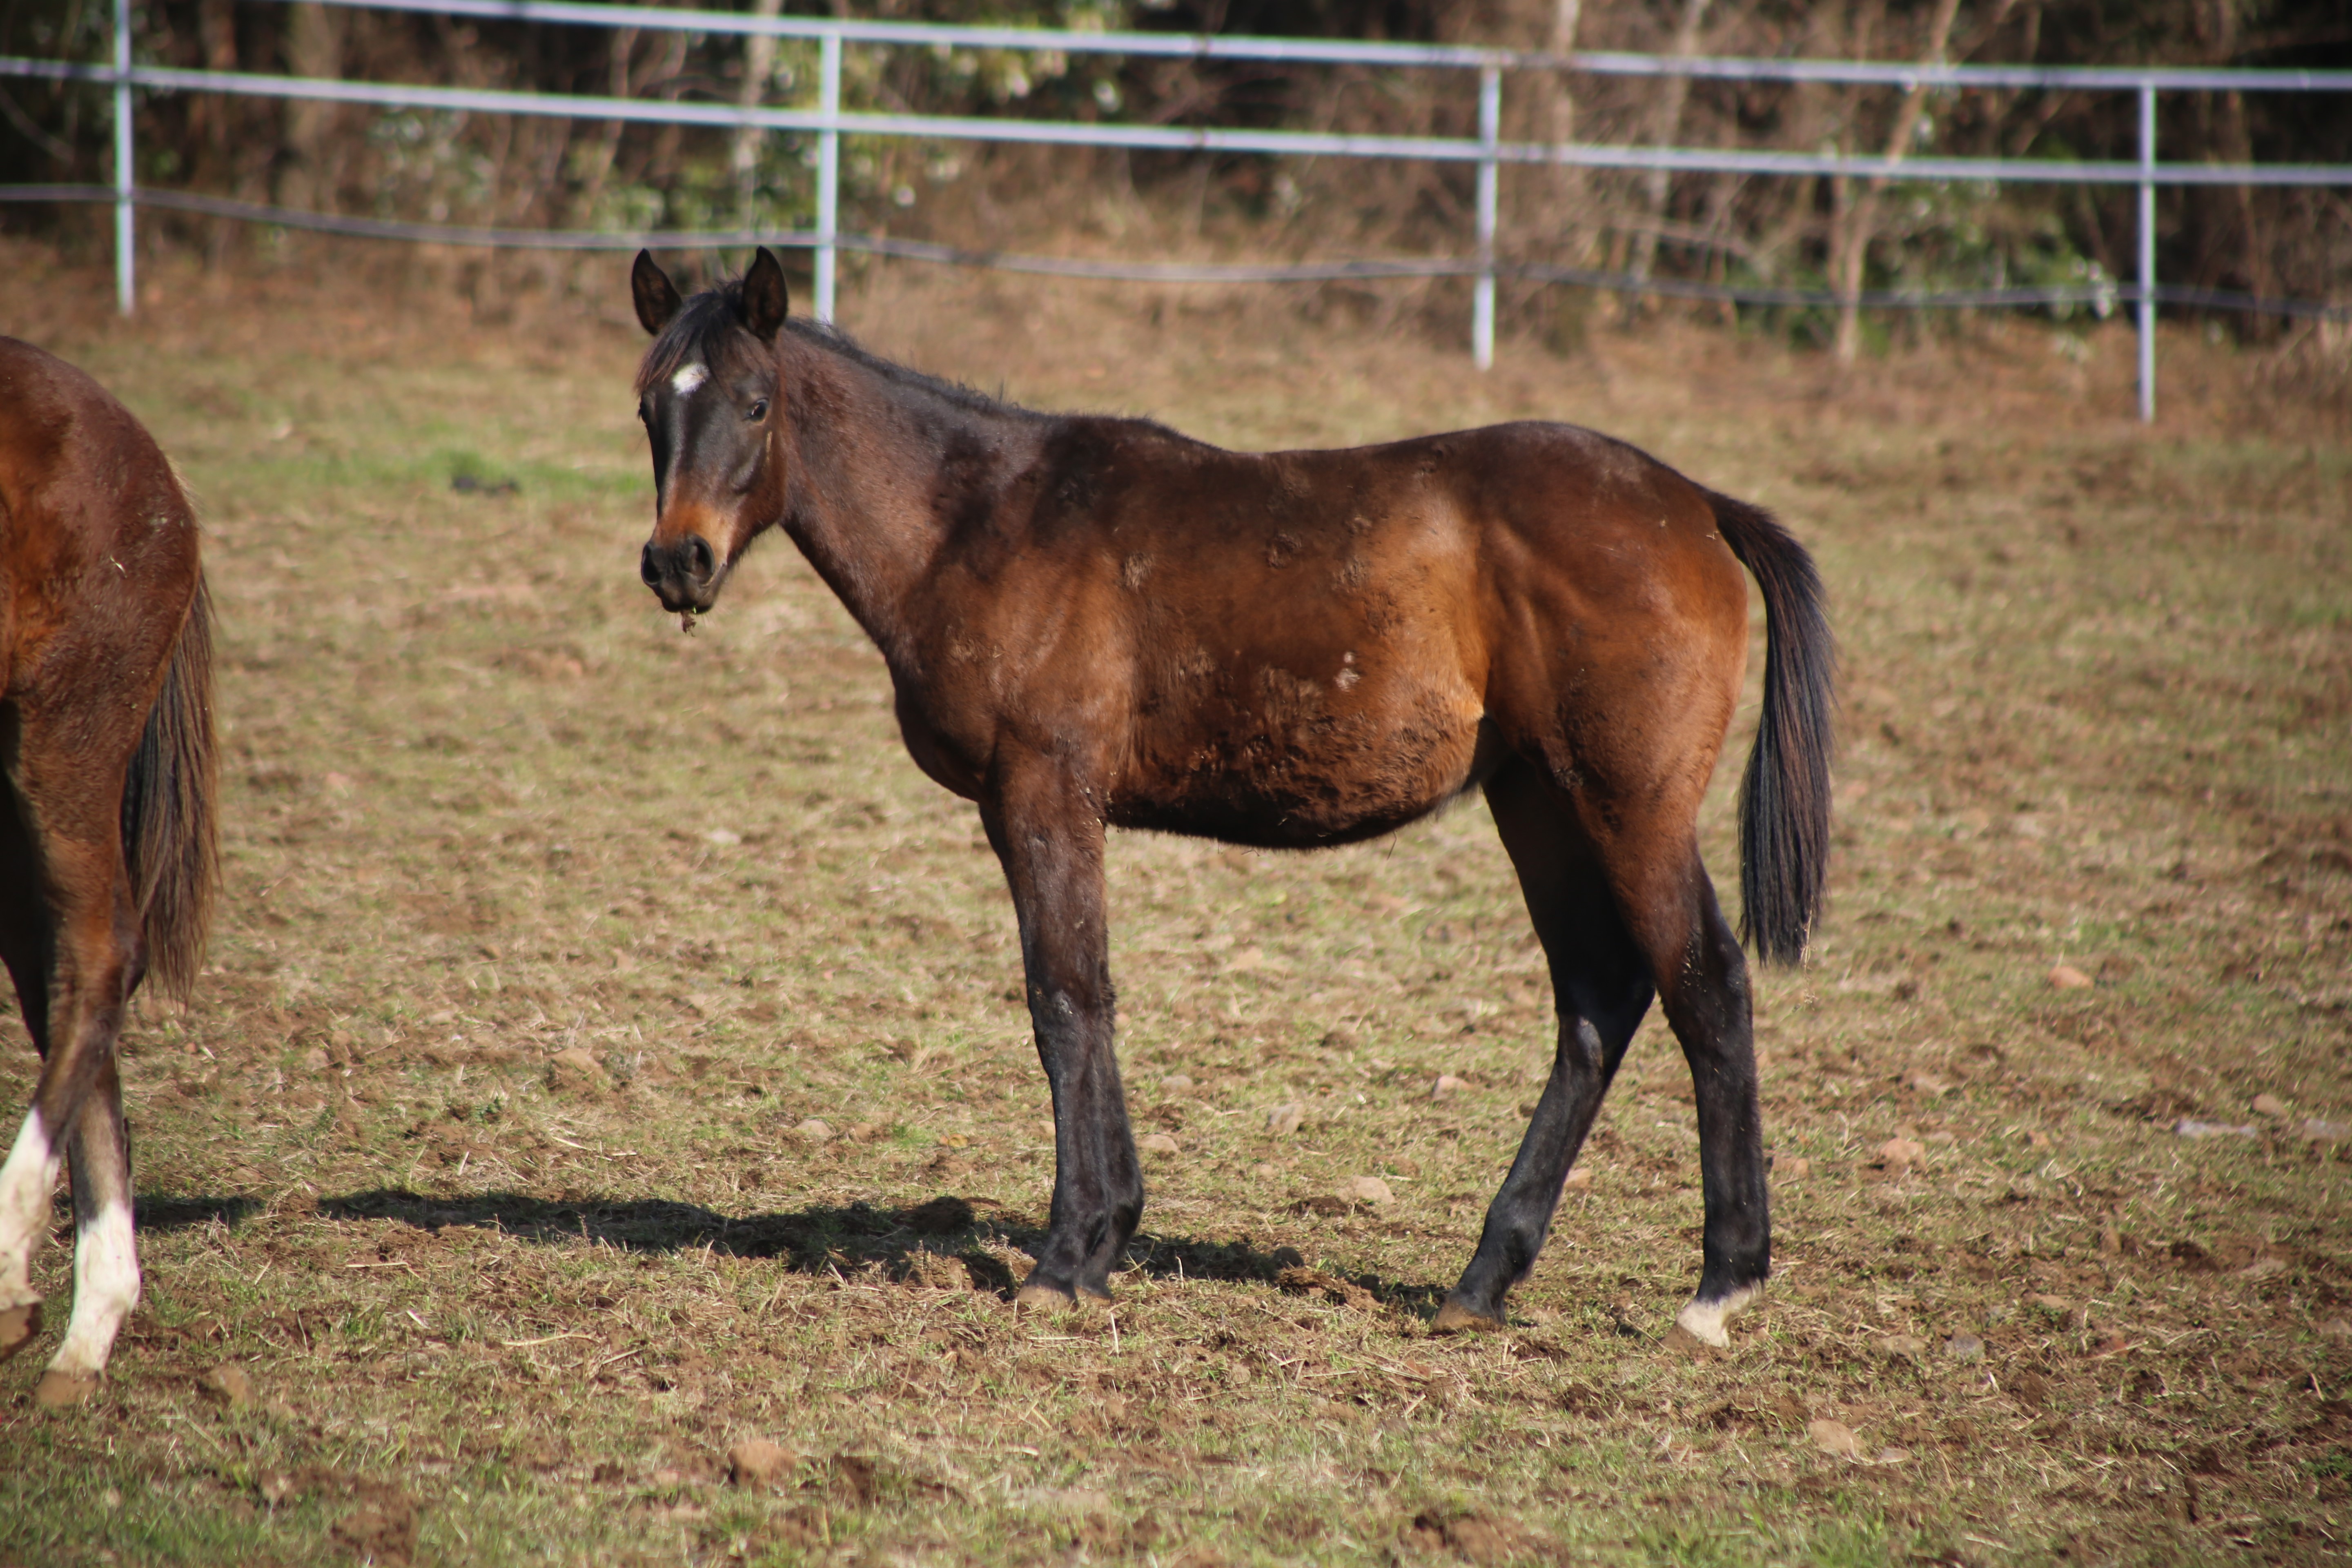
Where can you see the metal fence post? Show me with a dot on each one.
(2148, 253)
(828, 172)
(126, 289)
(1490, 135)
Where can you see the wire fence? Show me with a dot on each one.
(1487, 152)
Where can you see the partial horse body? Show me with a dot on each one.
(1097, 622)
(107, 844)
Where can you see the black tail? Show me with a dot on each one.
(1784, 801)
(169, 835)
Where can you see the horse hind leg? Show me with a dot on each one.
(1702, 979)
(1600, 982)
(29, 1174)
(106, 1258)
(66, 824)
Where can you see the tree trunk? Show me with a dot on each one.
(758, 64)
(314, 48)
(1863, 216)
(1672, 93)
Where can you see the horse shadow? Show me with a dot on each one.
(900, 1242)
(153, 1213)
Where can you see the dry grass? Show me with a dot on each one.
(488, 806)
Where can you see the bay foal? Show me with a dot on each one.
(1098, 622)
(106, 859)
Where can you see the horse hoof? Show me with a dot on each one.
(17, 1326)
(1039, 1297)
(1704, 1321)
(59, 1389)
(1454, 1318)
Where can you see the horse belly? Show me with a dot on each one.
(1305, 765)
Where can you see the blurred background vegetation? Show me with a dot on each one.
(2273, 243)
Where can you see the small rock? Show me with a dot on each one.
(2269, 1105)
(2264, 1267)
(1903, 1347)
(2318, 1131)
(1580, 1180)
(575, 1068)
(2111, 1241)
(2037, 1138)
(1176, 1082)
(1892, 1455)
(2066, 977)
(227, 1384)
(1368, 1190)
(1925, 1083)
(1965, 1347)
(2057, 1304)
(1835, 1437)
(1284, 1120)
(1796, 1168)
(1897, 1153)
(1158, 1143)
(724, 837)
(756, 1462)
(814, 1129)
(2188, 1127)
(315, 1059)
(1265, 1171)
(1446, 1084)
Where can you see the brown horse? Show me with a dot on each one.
(107, 856)
(1097, 622)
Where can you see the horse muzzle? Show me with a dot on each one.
(684, 573)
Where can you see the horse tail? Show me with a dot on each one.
(1784, 801)
(170, 834)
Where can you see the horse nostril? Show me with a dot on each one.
(701, 561)
(646, 571)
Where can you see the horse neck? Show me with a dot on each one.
(880, 468)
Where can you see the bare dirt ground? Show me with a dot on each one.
(612, 1052)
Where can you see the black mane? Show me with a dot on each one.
(708, 330)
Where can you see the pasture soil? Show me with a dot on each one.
(611, 1054)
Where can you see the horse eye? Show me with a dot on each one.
(759, 408)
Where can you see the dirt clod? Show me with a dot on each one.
(1284, 1120)
(1901, 1154)
(227, 1385)
(574, 1071)
(1315, 1281)
(1159, 1144)
(1368, 1190)
(756, 1462)
(1834, 1438)
(2066, 977)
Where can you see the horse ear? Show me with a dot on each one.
(656, 295)
(765, 299)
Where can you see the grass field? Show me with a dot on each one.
(611, 1050)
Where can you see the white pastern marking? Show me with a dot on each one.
(25, 1182)
(686, 380)
(1703, 1321)
(105, 1287)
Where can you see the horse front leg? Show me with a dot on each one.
(1047, 833)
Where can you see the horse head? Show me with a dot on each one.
(708, 397)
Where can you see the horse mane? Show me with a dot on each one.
(708, 330)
